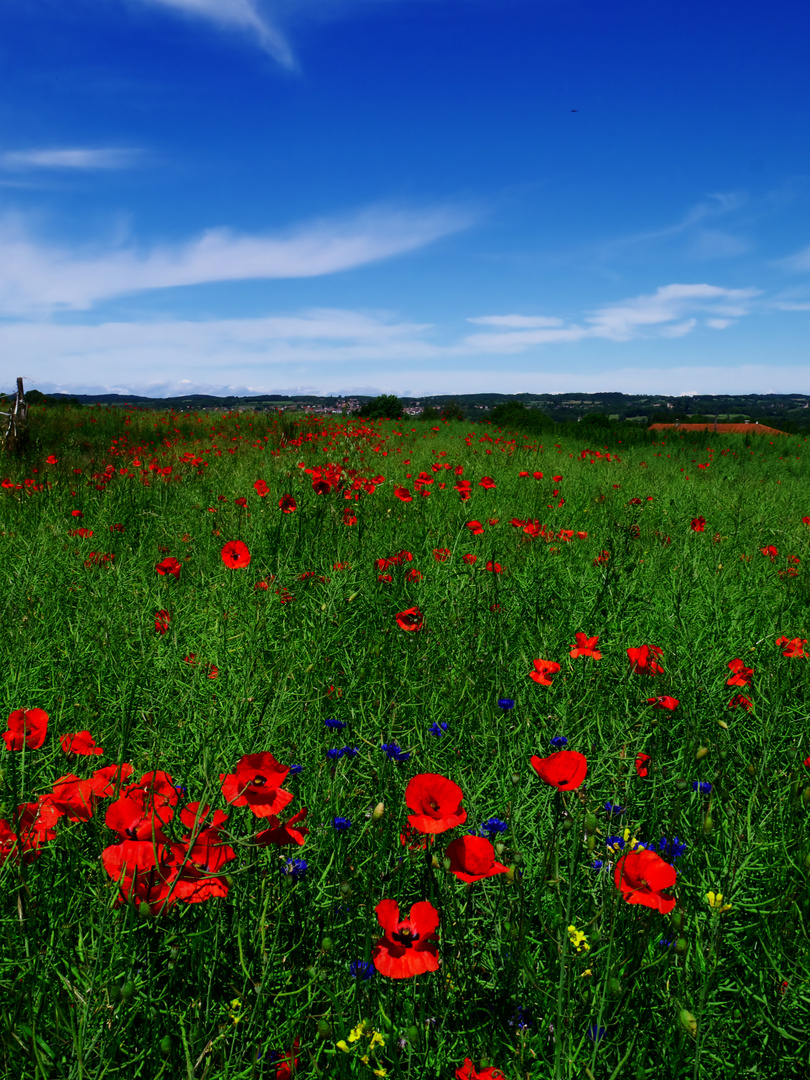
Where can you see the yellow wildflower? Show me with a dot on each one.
(715, 901)
(356, 1032)
(342, 1045)
(578, 939)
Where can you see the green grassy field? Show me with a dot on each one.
(141, 938)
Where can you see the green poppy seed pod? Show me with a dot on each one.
(591, 843)
(232, 881)
(345, 888)
(515, 778)
(708, 824)
(144, 910)
(324, 1029)
(434, 862)
(500, 849)
(446, 864)
(510, 872)
(128, 991)
(677, 920)
(681, 946)
(590, 824)
(517, 858)
(688, 1022)
(326, 945)
(378, 811)
(413, 1034)
(681, 784)
(702, 752)
(166, 1046)
(615, 987)
(568, 824)
(353, 596)
(723, 755)
(751, 769)
(806, 796)
(115, 994)
(312, 973)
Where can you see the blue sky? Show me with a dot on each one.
(336, 196)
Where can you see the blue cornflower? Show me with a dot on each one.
(492, 826)
(296, 769)
(672, 849)
(615, 843)
(359, 969)
(666, 942)
(506, 703)
(295, 869)
(336, 725)
(341, 824)
(596, 1033)
(394, 752)
(437, 729)
(334, 755)
(597, 865)
(703, 786)
(559, 741)
(522, 1018)
(349, 751)
(614, 810)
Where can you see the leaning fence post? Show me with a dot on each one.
(16, 433)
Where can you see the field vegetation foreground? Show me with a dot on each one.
(352, 749)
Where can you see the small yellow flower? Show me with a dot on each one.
(578, 939)
(715, 901)
(355, 1033)
(628, 840)
(380, 1072)
(377, 1039)
(342, 1045)
(586, 974)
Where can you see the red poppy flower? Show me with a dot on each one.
(475, 527)
(257, 784)
(288, 1063)
(135, 815)
(698, 524)
(791, 646)
(601, 558)
(663, 702)
(409, 945)
(643, 662)
(80, 743)
(413, 575)
(144, 871)
(441, 554)
(487, 482)
(77, 513)
(741, 675)
(51, 460)
(642, 875)
(470, 559)
(641, 765)
(162, 620)
(74, 797)
(26, 727)
(542, 670)
(436, 803)
(349, 518)
(411, 619)
(403, 494)
(287, 504)
(290, 832)
(494, 567)
(585, 646)
(261, 488)
(242, 502)
(468, 1072)
(770, 551)
(82, 532)
(564, 770)
(169, 565)
(111, 778)
(472, 858)
(235, 555)
(741, 701)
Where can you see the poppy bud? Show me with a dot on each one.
(515, 778)
(681, 946)
(144, 910)
(324, 1029)
(446, 864)
(751, 769)
(378, 811)
(590, 824)
(115, 994)
(312, 974)
(688, 1022)
(702, 752)
(386, 1022)
(723, 725)
(806, 796)
(708, 824)
(500, 849)
(323, 607)
(413, 1035)
(434, 862)
(681, 784)
(309, 668)
(510, 873)
(615, 987)
(677, 920)
(724, 755)
(128, 992)
(567, 825)
(517, 858)
(326, 945)
(353, 596)
(591, 843)
(166, 1046)
(231, 880)
(345, 889)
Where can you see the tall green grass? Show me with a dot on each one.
(94, 988)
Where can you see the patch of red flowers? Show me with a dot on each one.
(475, 527)
(410, 619)
(543, 670)
(82, 532)
(261, 488)
(287, 504)
(642, 876)
(162, 620)
(441, 554)
(281, 834)
(740, 701)
(740, 674)
(467, 1071)
(663, 702)
(585, 646)
(408, 946)
(791, 646)
(698, 524)
(642, 769)
(169, 565)
(564, 770)
(257, 783)
(643, 660)
(436, 803)
(81, 743)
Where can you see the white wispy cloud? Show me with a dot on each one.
(75, 158)
(798, 263)
(243, 15)
(37, 276)
(671, 311)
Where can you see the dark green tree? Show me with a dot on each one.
(384, 407)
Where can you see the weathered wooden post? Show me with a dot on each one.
(15, 437)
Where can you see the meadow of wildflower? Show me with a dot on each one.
(406, 749)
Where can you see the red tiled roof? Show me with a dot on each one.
(725, 429)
